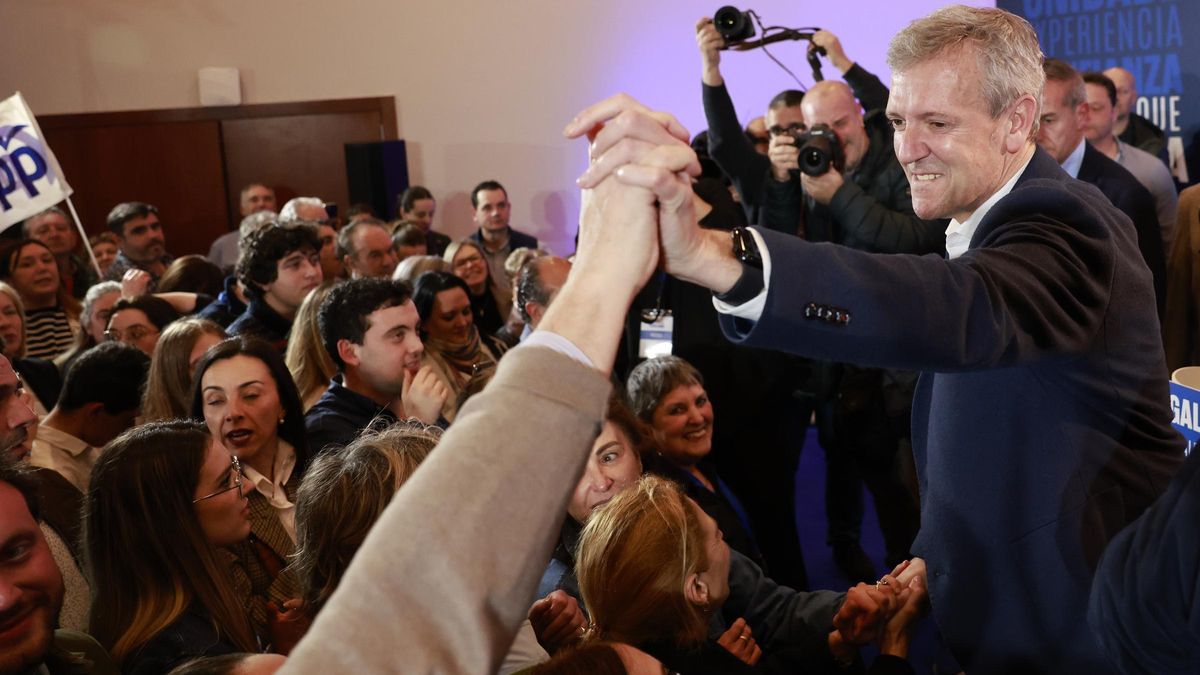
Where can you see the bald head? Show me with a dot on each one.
(833, 104)
(1126, 92)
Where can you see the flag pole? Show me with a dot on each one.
(83, 235)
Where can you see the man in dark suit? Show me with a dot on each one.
(1061, 134)
(1041, 424)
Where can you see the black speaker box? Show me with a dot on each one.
(376, 174)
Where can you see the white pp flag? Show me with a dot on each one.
(30, 178)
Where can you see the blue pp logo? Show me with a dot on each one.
(22, 163)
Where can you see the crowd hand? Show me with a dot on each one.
(833, 49)
(739, 641)
(557, 621)
(822, 188)
(711, 43)
(897, 632)
(867, 609)
(286, 626)
(784, 156)
(422, 396)
(134, 283)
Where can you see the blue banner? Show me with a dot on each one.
(1148, 38)
(1185, 406)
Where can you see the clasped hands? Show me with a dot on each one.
(884, 612)
(637, 207)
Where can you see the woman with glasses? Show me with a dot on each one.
(246, 396)
(51, 313)
(93, 321)
(140, 321)
(488, 303)
(462, 355)
(154, 529)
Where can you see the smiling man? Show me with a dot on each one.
(369, 327)
(492, 212)
(1041, 423)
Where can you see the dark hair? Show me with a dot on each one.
(530, 287)
(13, 251)
(343, 315)
(20, 475)
(360, 208)
(429, 285)
(1092, 77)
(111, 373)
(140, 499)
(263, 249)
(788, 98)
(409, 235)
(192, 274)
(486, 185)
(291, 429)
(126, 211)
(159, 311)
(410, 196)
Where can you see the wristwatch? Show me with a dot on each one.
(750, 283)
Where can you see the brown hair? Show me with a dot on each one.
(192, 274)
(169, 384)
(341, 497)
(591, 658)
(306, 356)
(147, 557)
(635, 556)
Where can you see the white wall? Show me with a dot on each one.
(482, 89)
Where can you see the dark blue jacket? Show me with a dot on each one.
(340, 415)
(1041, 424)
(227, 307)
(262, 322)
(516, 239)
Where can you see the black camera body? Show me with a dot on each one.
(733, 24)
(820, 150)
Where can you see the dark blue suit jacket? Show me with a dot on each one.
(1041, 423)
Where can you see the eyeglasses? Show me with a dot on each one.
(791, 130)
(133, 334)
(469, 260)
(236, 474)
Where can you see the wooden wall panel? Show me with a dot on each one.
(176, 166)
(297, 155)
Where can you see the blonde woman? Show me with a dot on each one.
(169, 386)
(306, 356)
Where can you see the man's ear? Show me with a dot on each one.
(348, 351)
(1020, 119)
(695, 589)
(535, 311)
(1082, 113)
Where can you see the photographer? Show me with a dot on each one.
(727, 141)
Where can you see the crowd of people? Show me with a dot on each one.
(363, 446)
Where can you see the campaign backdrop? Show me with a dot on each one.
(30, 178)
(1156, 40)
(1185, 409)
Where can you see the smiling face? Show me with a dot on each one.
(682, 425)
(221, 508)
(451, 318)
(241, 406)
(468, 264)
(31, 588)
(612, 467)
(35, 275)
(955, 154)
(11, 328)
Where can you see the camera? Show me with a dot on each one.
(820, 150)
(733, 24)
